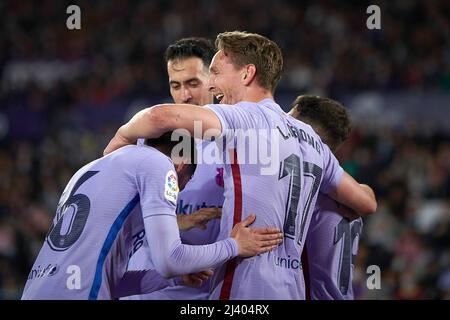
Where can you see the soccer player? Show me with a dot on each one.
(243, 76)
(188, 63)
(328, 257)
(86, 251)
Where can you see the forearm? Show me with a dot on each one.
(184, 259)
(153, 122)
(368, 190)
(369, 196)
(172, 258)
(144, 124)
(358, 197)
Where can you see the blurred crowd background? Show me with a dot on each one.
(64, 93)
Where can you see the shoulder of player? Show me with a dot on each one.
(251, 106)
(300, 124)
(305, 127)
(230, 107)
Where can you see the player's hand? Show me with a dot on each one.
(198, 219)
(118, 141)
(196, 279)
(253, 241)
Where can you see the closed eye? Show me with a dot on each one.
(194, 83)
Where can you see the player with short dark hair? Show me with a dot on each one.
(187, 62)
(328, 118)
(328, 257)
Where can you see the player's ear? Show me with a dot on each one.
(248, 74)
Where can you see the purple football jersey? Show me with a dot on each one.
(102, 209)
(331, 248)
(279, 186)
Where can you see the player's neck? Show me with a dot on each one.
(257, 94)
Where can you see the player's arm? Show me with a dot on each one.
(154, 121)
(155, 179)
(359, 197)
(171, 258)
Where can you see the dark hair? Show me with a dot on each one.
(166, 143)
(191, 47)
(328, 117)
(251, 48)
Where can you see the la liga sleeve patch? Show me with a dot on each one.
(171, 187)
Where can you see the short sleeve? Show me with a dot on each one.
(332, 171)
